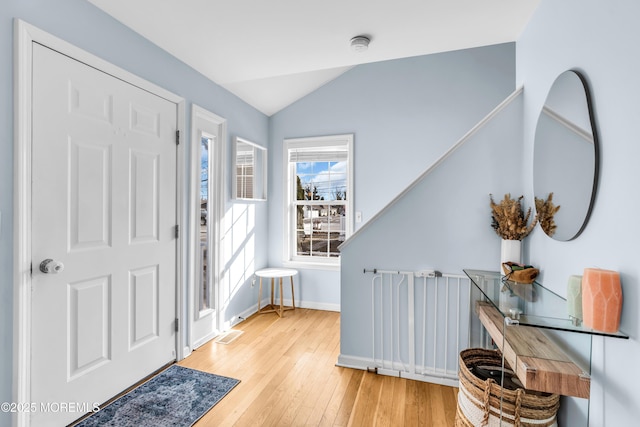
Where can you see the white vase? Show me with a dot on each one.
(510, 250)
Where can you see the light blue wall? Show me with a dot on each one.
(83, 25)
(404, 114)
(601, 40)
(442, 223)
(419, 106)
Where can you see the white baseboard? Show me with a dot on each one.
(319, 306)
(312, 305)
(186, 351)
(367, 364)
(354, 362)
(205, 339)
(287, 302)
(239, 317)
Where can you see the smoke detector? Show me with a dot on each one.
(360, 43)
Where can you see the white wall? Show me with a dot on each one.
(600, 39)
(404, 114)
(85, 26)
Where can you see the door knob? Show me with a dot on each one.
(49, 266)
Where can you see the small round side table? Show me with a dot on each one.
(276, 273)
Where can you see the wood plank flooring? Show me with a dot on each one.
(288, 378)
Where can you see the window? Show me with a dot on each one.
(208, 136)
(319, 194)
(204, 293)
(244, 171)
(250, 181)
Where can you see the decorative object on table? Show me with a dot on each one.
(479, 396)
(574, 299)
(177, 396)
(545, 209)
(511, 294)
(509, 220)
(515, 313)
(511, 223)
(520, 273)
(601, 299)
(510, 251)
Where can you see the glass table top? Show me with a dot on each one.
(529, 304)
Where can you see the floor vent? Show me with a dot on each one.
(228, 337)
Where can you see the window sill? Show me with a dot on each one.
(312, 265)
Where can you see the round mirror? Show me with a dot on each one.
(565, 158)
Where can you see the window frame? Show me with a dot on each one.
(258, 175)
(290, 190)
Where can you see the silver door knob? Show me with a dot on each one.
(49, 266)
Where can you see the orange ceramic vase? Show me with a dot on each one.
(601, 299)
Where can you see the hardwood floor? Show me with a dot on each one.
(288, 378)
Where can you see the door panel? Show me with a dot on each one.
(143, 300)
(89, 325)
(90, 196)
(104, 204)
(144, 196)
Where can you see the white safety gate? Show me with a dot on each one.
(421, 320)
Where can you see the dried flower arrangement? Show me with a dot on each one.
(509, 220)
(546, 210)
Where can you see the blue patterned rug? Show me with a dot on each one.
(177, 396)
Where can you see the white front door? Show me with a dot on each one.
(104, 206)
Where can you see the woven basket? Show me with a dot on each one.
(479, 401)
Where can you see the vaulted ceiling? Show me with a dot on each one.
(271, 53)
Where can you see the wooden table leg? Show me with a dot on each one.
(272, 279)
(281, 300)
(259, 294)
(293, 298)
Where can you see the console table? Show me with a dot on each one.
(515, 315)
